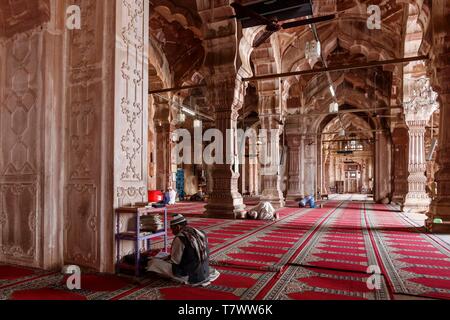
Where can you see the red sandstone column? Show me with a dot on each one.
(270, 171)
(294, 191)
(440, 207)
(439, 39)
(400, 140)
(225, 201)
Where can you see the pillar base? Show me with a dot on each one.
(276, 200)
(226, 208)
(416, 204)
(439, 209)
(398, 199)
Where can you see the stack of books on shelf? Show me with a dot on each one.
(151, 223)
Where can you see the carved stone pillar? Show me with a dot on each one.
(164, 163)
(152, 174)
(440, 207)
(418, 110)
(436, 44)
(294, 183)
(225, 201)
(32, 122)
(440, 67)
(270, 166)
(417, 200)
(400, 159)
(256, 174)
(382, 170)
(251, 180)
(243, 177)
(131, 101)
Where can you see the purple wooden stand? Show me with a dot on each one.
(136, 235)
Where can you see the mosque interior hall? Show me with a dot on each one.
(307, 139)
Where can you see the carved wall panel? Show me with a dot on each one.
(20, 149)
(88, 214)
(18, 223)
(81, 230)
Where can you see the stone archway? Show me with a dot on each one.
(346, 162)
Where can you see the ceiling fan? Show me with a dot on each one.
(270, 13)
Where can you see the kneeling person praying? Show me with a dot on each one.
(189, 259)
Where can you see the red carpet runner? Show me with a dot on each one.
(307, 254)
(342, 243)
(413, 261)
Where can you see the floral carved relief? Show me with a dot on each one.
(131, 101)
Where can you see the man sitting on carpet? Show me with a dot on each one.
(189, 259)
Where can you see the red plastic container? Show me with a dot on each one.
(155, 196)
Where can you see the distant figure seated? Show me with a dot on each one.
(307, 201)
(199, 196)
(170, 197)
(188, 262)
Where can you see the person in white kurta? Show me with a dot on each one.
(172, 196)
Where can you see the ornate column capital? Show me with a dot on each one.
(294, 141)
(226, 93)
(421, 102)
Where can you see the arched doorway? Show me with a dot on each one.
(346, 155)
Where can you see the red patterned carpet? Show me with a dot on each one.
(414, 262)
(342, 243)
(309, 254)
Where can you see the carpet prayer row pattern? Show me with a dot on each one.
(343, 251)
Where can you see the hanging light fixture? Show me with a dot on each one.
(181, 117)
(342, 133)
(333, 93)
(197, 123)
(334, 107)
(312, 51)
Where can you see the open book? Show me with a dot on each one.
(162, 255)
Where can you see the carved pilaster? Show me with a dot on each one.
(400, 138)
(131, 101)
(163, 155)
(294, 182)
(440, 79)
(31, 134)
